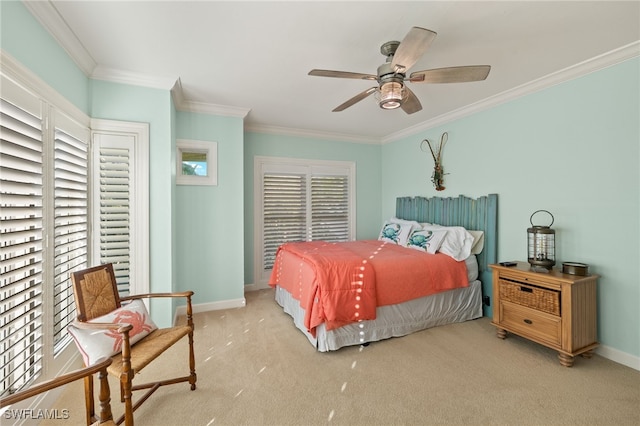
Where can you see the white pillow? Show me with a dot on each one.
(426, 240)
(478, 241)
(396, 233)
(96, 344)
(457, 243)
(414, 225)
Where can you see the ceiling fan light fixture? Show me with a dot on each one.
(391, 95)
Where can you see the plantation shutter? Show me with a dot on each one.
(284, 212)
(114, 210)
(330, 208)
(21, 243)
(70, 220)
(301, 200)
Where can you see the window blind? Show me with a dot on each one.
(330, 208)
(284, 212)
(21, 245)
(302, 201)
(70, 226)
(115, 220)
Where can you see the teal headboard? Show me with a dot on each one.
(474, 214)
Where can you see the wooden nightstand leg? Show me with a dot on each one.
(587, 354)
(501, 333)
(565, 360)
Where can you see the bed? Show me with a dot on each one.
(352, 293)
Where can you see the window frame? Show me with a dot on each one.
(23, 88)
(209, 149)
(53, 107)
(311, 167)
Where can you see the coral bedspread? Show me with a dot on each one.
(341, 283)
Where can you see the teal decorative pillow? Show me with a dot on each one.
(96, 344)
(426, 240)
(395, 233)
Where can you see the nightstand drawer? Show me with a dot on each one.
(529, 322)
(537, 298)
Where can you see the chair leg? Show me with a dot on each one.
(192, 359)
(126, 377)
(192, 363)
(88, 400)
(104, 397)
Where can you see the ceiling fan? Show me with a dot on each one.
(391, 90)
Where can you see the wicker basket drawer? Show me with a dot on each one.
(530, 323)
(533, 297)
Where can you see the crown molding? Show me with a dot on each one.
(135, 79)
(24, 77)
(47, 15)
(288, 131)
(597, 63)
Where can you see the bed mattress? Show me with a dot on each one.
(452, 306)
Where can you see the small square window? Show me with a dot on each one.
(197, 163)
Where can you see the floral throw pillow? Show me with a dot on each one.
(426, 240)
(96, 344)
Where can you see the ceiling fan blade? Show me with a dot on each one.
(451, 74)
(412, 47)
(411, 103)
(342, 74)
(357, 98)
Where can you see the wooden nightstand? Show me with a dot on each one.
(554, 309)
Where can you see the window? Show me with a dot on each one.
(43, 231)
(196, 162)
(120, 197)
(300, 200)
(52, 186)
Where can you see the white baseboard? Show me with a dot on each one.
(254, 287)
(618, 356)
(211, 306)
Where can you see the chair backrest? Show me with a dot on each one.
(95, 291)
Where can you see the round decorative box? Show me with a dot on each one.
(575, 268)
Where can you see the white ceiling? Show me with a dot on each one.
(236, 57)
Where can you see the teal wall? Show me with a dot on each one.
(572, 149)
(113, 101)
(368, 178)
(209, 228)
(27, 41)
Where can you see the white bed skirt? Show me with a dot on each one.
(448, 307)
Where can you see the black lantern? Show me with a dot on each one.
(541, 244)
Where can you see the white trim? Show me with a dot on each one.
(47, 15)
(210, 306)
(26, 78)
(213, 109)
(259, 165)
(288, 131)
(141, 251)
(132, 78)
(618, 356)
(605, 60)
(256, 287)
(210, 149)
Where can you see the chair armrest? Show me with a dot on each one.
(100, 365)
(141, 296)
(120, 328)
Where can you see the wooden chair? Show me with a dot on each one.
(96, 294)
(99, 367)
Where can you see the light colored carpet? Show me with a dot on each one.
(255, 368)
